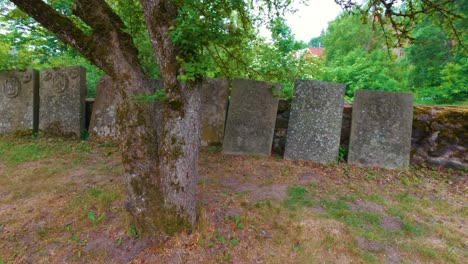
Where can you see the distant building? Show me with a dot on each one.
(310, 52)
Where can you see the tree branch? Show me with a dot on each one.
(58, 24)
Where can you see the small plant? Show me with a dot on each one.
(284, 172)
(342, 154)
(132, 232)
(296, 247)
(84, 135)
(227, 256)
(93, 218)
(238, 222)
(77, 256)
(215, 148)
(219, 237)
(234, 241)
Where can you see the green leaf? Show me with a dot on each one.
(234, 241)
(91, 216)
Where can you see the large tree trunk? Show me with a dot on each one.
(160, 163)
(160, 160)
(180, 134)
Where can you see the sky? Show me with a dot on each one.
(309, 20)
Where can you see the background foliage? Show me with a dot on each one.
(225, 42)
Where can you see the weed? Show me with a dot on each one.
(219, 237)
(227, 256)
(296, 247)
(284, 172)
(215, 149)
(75, 239)
(342, 154)
(119, 241)
(84, 135)
(132, 232)
(238, 222)
(93, 218)
(77, 256)
(234, 241)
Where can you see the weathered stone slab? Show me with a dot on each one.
(251, 118)
(103, 122)
(62, 101)
(315, 121)
(381, 129)
(19, 100)
(214, 95)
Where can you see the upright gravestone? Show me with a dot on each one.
(214, 95)
(62, 101)
(315, 121)
(19, 100)
(381, 129)
(103, 122)
(104, 117)
(251, 118)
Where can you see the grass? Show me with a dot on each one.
(67, 197)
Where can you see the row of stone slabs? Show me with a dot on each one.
(380, 133)
(54, 103)
(380, 129)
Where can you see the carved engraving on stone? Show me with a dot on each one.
(26, 77)
(60, 83)
(47, 76)
(11, 87)
(74, 73)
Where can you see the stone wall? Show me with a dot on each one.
(439, 134)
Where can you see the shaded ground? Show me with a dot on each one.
(62, 202)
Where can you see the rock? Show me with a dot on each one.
(19, 101)
(62, 101)
(251, 118)
(381, 129)
(315, 122)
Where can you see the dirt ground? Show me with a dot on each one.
(62, 202)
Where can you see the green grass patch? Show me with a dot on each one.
(297, 197)
(21, 151)
(96, 198)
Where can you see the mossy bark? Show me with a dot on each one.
(160, 170)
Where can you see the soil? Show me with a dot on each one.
(241, 218)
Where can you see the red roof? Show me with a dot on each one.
(317, 52)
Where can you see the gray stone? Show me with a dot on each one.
(19, 100)
(103, 122)
(62, 101)
(315, 122)
(381, 129)
(214, 95)
(251, 118)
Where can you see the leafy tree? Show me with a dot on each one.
(356, 55)
(438, 68)
(281, 61)
(160, 160)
